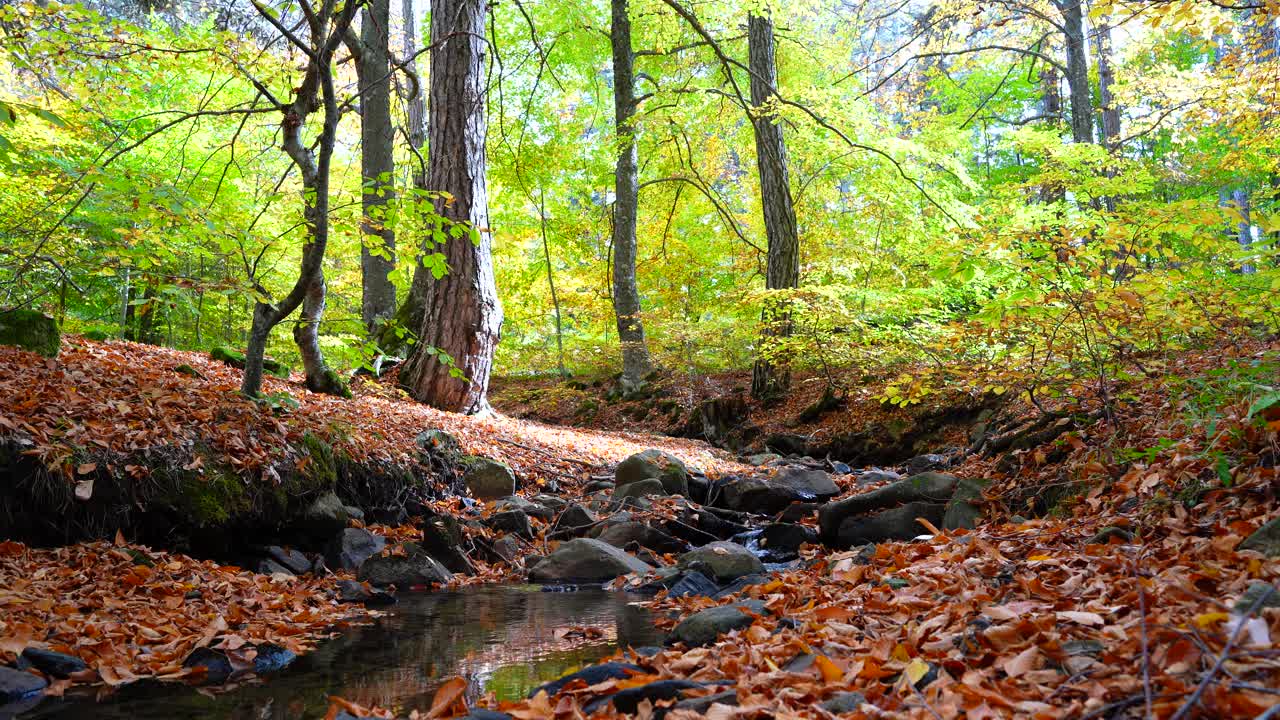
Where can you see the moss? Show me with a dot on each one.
(234, 358)
(209, 499)
(30, 330)
(272, 366)
(185, 369)
(321, 472)
(98, 335)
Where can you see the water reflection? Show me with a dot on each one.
(506, 640)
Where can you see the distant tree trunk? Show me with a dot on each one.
(1080, 92)
(1051, 109)
(312, 161)
(626, 295)
(377, 136)
(409, 315)
(1244, 226)
(462, 316)
(1106, 79)
(551, 283)
(770, 377)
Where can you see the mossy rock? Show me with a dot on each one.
(98, 335)
(234, 358)
(272, 367)
(30, 330)
(185, 369)
(208, 499)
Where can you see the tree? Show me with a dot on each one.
(768, 377)
(626, 294)
(328, 26)
(462, 316)
(377, 137)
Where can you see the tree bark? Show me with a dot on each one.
(1106, 79)
(626, 294)
(462, 316)
(377, 136)
(1080, 93)
(770, 376)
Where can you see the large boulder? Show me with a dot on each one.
(657, 465)
(414, 567)
(487, 479)
(926, 488)
(576, 518)
(725, 560)
(639, 489)
(895, 524)
(30, 330)
(511, 521)
(769, 495)
(1265, 539)
(585, 560)
(703, 627)
(349, 549)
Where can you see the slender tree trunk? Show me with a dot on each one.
(1110, 111)
(626, 294)
(377, 136)
(313, 165)
(1051, 108)
(770, 376)
(462, 316)
(551, 283)
(1080, 93)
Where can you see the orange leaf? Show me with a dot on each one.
(830, 671)
(447, 696)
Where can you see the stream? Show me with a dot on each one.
(502, 639)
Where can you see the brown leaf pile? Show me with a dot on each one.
(132, 613)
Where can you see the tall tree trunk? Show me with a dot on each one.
(377, 136)
(1106, 79)
(770, 376)
(551, 282)
(626, 295)
(462, 316)
(1080, 93)
(1051, 108)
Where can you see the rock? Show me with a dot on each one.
(443, 540)
(875, 476)
(741, 584)
(487, 479)
(693, 583)
(267, 566)
(439, 443)
(896, 524)
(622, 534)
(701, 705)
(554, 503)
(576, 517)
(704, 626)
(30, 330)
(585, 560)
(229, 356)
(1258, 596)
(787, 443)
(843, 702)
(349, 549)
(294, 561)
(925, 463)
(1265, 539)
(783, 540)
(772, 495)
(415, 567)
(1105, 535)
(511, 521)
(57, 664)
(216, 664)
(964, 510)
(927, 487)
(638, 489)
(591, 675)
(839, 468)
(725, 560)
(325, 516)
(796, 512)
(271, 658)
(507, 548)
(654, 464)
(762, 459)
(16, 685)
(350, 591)
(483, 714)
(525, 505)
(628, 700)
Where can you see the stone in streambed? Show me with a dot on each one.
(628, 700)
(585, 560)
(622, 534)
(726, 560)
(16, 685)
(52, 663)
(704, 626)
(654, 464)
(964, 510)
(352, 547)
(770, 495)
(271, 658)
(638, 489)
(415, 567)
(896, 524)
(853, 520)
(216, 664)
(487, 479)
(592, 675)
(292, 560)
(515, 522)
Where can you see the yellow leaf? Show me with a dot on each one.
(916, 669)
(1204, 620)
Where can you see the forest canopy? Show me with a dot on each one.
(1034, 189)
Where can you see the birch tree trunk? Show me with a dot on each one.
(770, 376)
(461, 317)
(377, 136)
(626, 295)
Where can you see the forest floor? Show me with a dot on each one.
(1127, 596)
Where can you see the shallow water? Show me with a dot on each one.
(506, 640)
